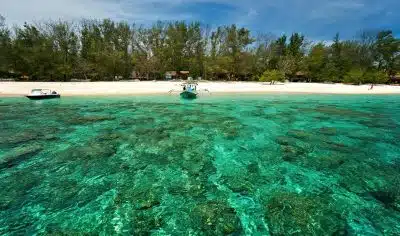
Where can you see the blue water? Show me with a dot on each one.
(219, 165)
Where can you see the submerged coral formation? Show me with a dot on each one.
(253, 165)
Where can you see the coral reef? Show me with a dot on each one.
(249, 165)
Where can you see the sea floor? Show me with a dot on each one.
(219, 165)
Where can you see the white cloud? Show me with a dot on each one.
(346, 4)
(252, 13)
(20, 11)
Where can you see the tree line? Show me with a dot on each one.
(109, 50)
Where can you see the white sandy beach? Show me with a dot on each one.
(163, 87)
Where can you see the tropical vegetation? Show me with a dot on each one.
(109, 50)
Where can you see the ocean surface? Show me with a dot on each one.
(219, 165)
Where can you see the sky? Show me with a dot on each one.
(317, 19)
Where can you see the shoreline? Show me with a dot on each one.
(114, 88)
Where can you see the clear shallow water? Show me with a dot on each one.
(255, 165)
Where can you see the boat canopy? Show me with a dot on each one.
(189, 83)
(41, 91)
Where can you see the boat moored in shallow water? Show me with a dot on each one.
(189, 90)
(38, 94)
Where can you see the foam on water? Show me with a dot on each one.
(255, 165)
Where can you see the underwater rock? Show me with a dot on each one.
(10, 138)
(15, 188)
(328, 131)
(82, 120)
(151, 134)
(238, 184)
(291, 213)
(230, 128)
(148, 203)
(231, 134)
(89, 152)
(299, 134)
(325, 162)
(337, 147)
(361, 177)
(197, 188)
(177, 190)
(19, 155)
(54, 229)
(145, 120)
(293, 153)
(96, 109)
(390, 199)
(64, 193)
(208, 168)
(330, 110)
(216, 218)
(145, 222)
(108, 136)
(127, 122)
(382, 123)
(322, 118)
(14, 139)
(142, 197)
(194, 161)
(283, 140)
(50, 137)
(256, 113)
(253, 168)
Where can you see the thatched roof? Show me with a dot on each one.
(300, 73)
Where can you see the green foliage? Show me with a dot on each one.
(280, 46)
(375, 77)
(358, 76)
(288, 65)
(230, 58)
(316, 62)
(355, 76)
(272, 75)
(5, 45)
(295, 45)
(387, 49)
(108, 50)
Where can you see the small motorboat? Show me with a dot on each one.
(38, 94)
(188, 94)
(189, 91)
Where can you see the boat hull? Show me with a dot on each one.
(41, 97)
(188, 95)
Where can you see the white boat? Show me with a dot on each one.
(37, 94)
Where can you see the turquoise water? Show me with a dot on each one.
(244, 165)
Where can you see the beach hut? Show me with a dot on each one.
(24, 77)
(169, 75)
(299, 76)
(184, 74)
(395, 79)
